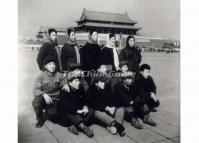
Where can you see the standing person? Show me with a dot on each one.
(101, 100)
(50, 48)
(73, 106)
(70, 51)
(131, 54)
(109, 54)
(46, 89)
(90, 52)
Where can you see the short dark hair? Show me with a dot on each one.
(111, 35)
(69, 30)
(51, 30)
(145, 66)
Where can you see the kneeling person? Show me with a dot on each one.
(148, 87)
(46, 90)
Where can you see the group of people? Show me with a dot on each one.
(93, 84)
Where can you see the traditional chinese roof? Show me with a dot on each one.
(90, 24)
(106, 17)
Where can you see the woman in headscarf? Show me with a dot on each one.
(109, 54)
(131, 54)
(50, 48)
(70, 51)
(90, 52)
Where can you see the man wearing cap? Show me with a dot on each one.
(129, 96)
(102, 101)
(46, 89)
(73, 106)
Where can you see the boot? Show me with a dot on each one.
(86, 130)
(136, 123)
(73, 130)
(120, 128)
(148, 120)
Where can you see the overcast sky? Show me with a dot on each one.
(158, 18)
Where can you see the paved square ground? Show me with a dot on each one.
(166, 73)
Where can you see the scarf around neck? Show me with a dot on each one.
(69, 40)
(115, 55)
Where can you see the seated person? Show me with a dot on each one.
(78, 71)
(73, 106)
(130, 97)
(123, 69)
(147, 85)
(101, 100)
(46, 90)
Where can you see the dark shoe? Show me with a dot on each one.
(73, 130)
(136, 123)
(87, 131)
(120, 128)
(39, 124)
(148, 120)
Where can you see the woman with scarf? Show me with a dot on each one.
(109, 54)
(90, 52)
(50, 48)
(131, 54)
(70, 51)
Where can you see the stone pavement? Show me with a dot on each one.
(167, 117)
(166, 131)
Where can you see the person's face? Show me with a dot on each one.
(128, 81)
(94, 36)
(72, 36)
(131, 42)
(102, 69)
(78, 72)
(53, 36)
(145, 73)
(124, 68)
(100, 84)
(50, 67)
(113, 40)
(75, 83)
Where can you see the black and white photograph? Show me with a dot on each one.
(99, 71)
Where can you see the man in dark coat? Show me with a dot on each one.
(73, 106)
(50, 48)
(100, 98)
(70, 51)
(90, 52)
(130, 96)
(147, 85)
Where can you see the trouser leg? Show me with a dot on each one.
(88, 119)
(39, 104)
(104, 118)
(119, 115)
(75, 119)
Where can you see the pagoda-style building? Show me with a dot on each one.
(105, 22)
